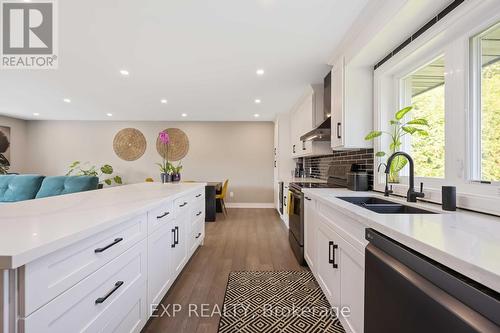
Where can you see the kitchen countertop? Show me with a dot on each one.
(34, 228)
(301, 180)
(466, 242)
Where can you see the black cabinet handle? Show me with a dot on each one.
(102, 249)
(162, 215)
(199, 234)
(308, 199)
(334, 265)
(338, 131)
(184, 204)
(198, 195)
(330, 246)
(303, 145)
(294, 149)
(101, 300)
(173, 245)
(199, 213)
(176, 238)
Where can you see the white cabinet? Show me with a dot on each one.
(351, 264)
(160, 273)
(333, 249)
(310, 227)
(327, 270)
(351, 114)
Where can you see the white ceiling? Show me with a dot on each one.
(200, 55)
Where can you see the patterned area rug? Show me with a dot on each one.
(272, 302)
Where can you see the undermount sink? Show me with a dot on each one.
(382, 206)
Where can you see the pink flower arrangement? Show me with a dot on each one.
(164, 137)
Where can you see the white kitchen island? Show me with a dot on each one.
(95, 261)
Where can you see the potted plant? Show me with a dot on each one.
(77, 169)
(398, 129)
(176, 172)
(166, 168)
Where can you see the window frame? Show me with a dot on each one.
(405, 100)
(451, 37)
(476, 107)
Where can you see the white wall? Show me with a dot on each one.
(18, 143)
(239, 151)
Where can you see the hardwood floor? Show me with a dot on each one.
(247, 240)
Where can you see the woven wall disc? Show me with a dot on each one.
(178, 146)
(129, 144)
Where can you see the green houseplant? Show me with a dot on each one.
(398, 129)
(176, 172)
(78, 169)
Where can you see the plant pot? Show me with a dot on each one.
(166, 178)
(394, 178)
(100, 186)
(176, 177)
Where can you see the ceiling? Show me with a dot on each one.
(200, 55)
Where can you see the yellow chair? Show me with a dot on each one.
(222, 196)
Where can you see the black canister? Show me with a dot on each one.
(449, 198)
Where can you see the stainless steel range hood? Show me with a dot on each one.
(321, 133)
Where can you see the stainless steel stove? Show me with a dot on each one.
(337, 178)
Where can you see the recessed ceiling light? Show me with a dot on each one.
(257, 101)
(260, 72)
(256, 115)
(66, 100)
(124, 72)
(163, 101)
(184, 115)
(109, 114)
(36, 114)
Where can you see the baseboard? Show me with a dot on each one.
(249, 205)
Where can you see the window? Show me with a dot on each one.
(424, 89)
(486, 109)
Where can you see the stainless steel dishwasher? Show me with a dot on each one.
(408, 292)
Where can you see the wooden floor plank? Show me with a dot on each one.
(245, 240)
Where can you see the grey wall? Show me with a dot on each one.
(239, 151)
(18, 143)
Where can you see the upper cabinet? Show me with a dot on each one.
(351, 113)
(307, 114)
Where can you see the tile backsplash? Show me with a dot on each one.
(319, 164)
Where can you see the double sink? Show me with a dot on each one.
(382, 206)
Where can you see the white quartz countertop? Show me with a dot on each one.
(466, 242)
(34, 228)
(301, 180)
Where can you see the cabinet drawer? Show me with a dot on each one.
(198, 211)
(197, 234)
(113, 299)
(199, 195)
(44, 279)
(183, 204)
(160, 216)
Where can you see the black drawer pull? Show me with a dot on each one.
(308, 199)
(173, 245)
(162, 215)
(199, 234)
(334, 265)
(176, 239)
(184, 204)
(101, 300)
(199, 213)
(102, 249)
(330, 245)
(338, 131)
(198, 195)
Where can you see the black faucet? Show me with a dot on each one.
(386, 189)
(411, 196)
